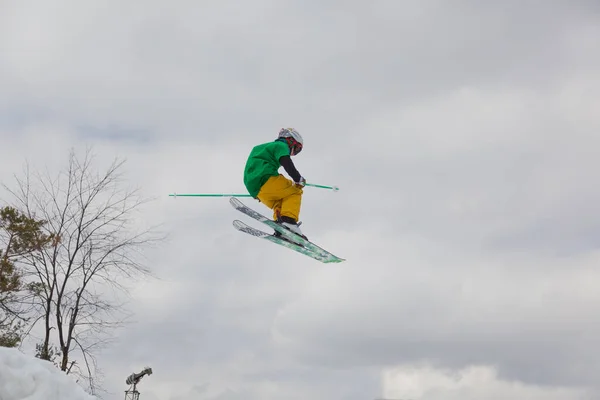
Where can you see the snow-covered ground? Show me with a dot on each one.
(25, 377)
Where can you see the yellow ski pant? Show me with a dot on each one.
(282, 196)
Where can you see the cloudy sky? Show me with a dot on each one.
(464, 137)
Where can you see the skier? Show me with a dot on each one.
(268, 186)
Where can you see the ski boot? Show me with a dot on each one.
(291, 225)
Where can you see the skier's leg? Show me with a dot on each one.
(269, 196)
(274, 205)
(290, 205)
(276, 210)
(281, 195)
(290, 209)
(285, 198)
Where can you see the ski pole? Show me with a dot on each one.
(334, 188)
(208, 195)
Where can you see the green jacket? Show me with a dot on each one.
(264, 162)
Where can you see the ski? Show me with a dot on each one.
(325, 256)
(242, 227)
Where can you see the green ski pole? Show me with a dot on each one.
(208, 195)
(334, 188)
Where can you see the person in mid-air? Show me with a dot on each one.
(267, 185)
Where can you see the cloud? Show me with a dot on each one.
(456, 314)
(480, 246)
(476, 382)
(477, 161)
(187, 67)
(463, 138)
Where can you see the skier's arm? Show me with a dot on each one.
(287, 163)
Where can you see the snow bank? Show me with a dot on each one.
(28, 378)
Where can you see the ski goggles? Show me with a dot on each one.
(295, 146)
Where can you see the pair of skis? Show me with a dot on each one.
(287, 238)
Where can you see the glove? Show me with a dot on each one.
(301, 183)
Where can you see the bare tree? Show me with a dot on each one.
(95, 252)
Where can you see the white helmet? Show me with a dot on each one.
(293, 139)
